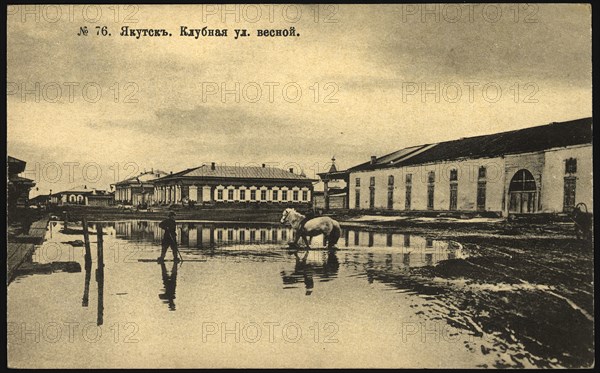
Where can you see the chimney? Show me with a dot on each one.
(373, 159)
(291, 170)
(212, 166)
(263, 165)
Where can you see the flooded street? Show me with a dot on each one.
(241, 290)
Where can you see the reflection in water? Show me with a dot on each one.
(86, 286)
(203, 235)
(169, 283)
(305, 270)
(100, 275)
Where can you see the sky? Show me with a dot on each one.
(355, 81)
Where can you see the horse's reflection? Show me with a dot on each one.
(170, 283)
(305, 271)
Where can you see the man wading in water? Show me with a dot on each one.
(169, 238)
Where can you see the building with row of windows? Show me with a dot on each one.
(82, 195)
(137, 190)
(217, 184)
(546, 168)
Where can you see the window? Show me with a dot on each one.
(305, 195)
(482, 172)
(481, 186)
(295, 195)
(284, 235)
(220, 194)
(252, 235)
(253, 195)
(275, 195)
(453, 196)
(242, 194)
(263, 195)
(407, 240)
(358, 181)
(430, 193)
(263, 235)
(390, 196)
(230, 235)
(372, 197)
(372, 181)
(230, 194)
(357, 199)
(430, 189)
(408, 191)
(571, 166)
(569, 197)
(219, 235)
(242, 236)
(453, 189)
(284, 195)
(431, 177)
(407, 196)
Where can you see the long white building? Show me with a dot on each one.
(231, 185)
(546, 168)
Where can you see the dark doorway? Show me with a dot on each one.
(523, 193)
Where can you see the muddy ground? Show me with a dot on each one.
(529, 284)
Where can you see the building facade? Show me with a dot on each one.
(18, 187)
(137, 190)
(211, 184)
(81, 195)
(544, 169)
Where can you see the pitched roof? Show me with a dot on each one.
(82, 189)
(143, 177)
(532, 139)
(237, 172)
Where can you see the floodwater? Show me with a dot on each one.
(240, 298)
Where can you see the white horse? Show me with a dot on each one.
(329, 228)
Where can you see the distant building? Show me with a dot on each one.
(539, 169)
(231, 185)
(17, 187)
(137, 189)
(42, 199)
(81, 195)
(335, 189)
(337, 198)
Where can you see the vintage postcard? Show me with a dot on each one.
(299, 186)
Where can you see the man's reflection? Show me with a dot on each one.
(170, 283)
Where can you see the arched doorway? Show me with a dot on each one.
(522, 192)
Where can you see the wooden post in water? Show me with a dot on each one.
(86, 240)
(88, 263)
(100, 275)
(65, 220)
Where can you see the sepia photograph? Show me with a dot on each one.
(299, 186)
